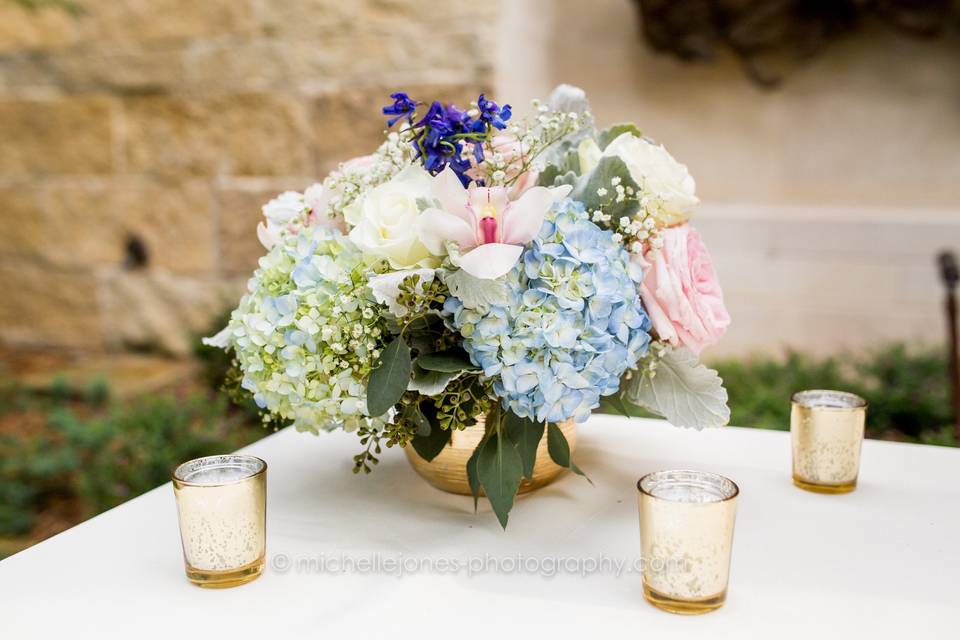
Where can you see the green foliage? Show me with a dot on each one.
(525, 434)
(499, 469)
(99, 457)
(450, 361)
(73, 8)
(559, 450)
(429, 442)
(907, 390)
(389, 380)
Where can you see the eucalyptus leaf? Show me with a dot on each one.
(429, 383)
(416, 416)
(525, 434)
(429, 445)
(616, 405)
(499, 470)
(473, 476)
(559, 450)
(686, 393)
(610, 134)
(389, 380)
(449, 361)
(475, 293)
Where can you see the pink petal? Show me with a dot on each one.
(435, 227)
(522, 219)
(489, 261)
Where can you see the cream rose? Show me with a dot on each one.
(384, 220)
(652, 167)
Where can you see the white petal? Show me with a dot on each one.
(435, 227)
(489, 261)
(220, 340)
(523, 218)
(451, 193)
(267, 237)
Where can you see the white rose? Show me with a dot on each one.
(385, 219)
(279, 212)
(651, 166)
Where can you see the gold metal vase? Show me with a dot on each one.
(448, 471)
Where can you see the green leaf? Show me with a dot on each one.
(684, 392)
(474, 292)
(450, 361)
(610, 134)
(473, 476)
(413, 413)
(525, 434)
(602, 177)
(499, 469)
(429, 383)
(429, 445)
(616, 405)
(389, 380)
(559, 450)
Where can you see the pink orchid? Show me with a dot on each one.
(489, 229)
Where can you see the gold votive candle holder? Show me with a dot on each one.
(686, 539)
(222, 507)
(826, 431)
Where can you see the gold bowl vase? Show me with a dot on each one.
(448, 471)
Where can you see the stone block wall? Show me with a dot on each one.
(139, 138)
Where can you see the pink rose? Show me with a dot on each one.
(681, 293)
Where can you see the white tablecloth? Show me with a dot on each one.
(878, 563)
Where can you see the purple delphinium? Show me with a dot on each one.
(445, 132)
(402, 106)
(492, 113)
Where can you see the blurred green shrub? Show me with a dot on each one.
(907, 390)
(102, 460)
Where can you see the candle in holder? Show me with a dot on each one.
(221, 503)
(826, 429)
(686, 539)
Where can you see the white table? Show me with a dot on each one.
(878, 563)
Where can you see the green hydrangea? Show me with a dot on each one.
(308, 333)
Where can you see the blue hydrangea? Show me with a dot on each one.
(572, 324)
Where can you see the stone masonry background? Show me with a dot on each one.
(139, 138)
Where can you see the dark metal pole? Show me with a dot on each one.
(951, 276)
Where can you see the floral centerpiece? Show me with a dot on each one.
(477, 269)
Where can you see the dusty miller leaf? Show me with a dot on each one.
(602, 178)
(610, 134)
(686, 393)
(475, 293)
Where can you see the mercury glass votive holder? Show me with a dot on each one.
(222, 507)
(686, 539)
(826, 430)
